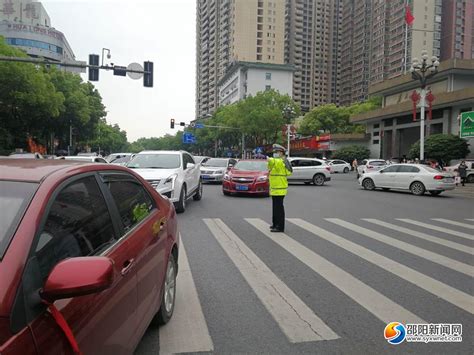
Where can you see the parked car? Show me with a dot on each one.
(248, 177)
(94, 242)
(174, 174)
(470, 169)
(416, 178)
(86, 158)
(339, 166)
(309, 170)
(119, 158)
(200, 159)
(26, 155)
(213, 169)
(370, 165)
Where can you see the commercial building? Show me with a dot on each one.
(392, 128)
(313, 47)
(26, 24)
(249, 78)
(379, 45)
(234, 30)
(457, 38)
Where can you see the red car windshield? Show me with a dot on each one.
(14, 198)
(251, 165)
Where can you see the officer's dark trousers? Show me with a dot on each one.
(278, 215)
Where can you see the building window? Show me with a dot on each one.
(259, 57)
(268, 87)
(268, 76)
(375, 141)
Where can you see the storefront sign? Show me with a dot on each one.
(35, 29)
(466, 129)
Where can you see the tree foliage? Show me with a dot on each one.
(333, 119)
(44, 103)
(351, 152)
(442, 147)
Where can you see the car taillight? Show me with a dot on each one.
(438, 177)
(370, 167)
(328, 168)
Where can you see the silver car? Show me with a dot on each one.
(416, 178)
(309, 170)
(214, 169)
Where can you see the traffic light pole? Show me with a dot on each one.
(69, 64)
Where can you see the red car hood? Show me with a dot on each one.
(243, 173)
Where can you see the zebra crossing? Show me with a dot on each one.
(298, 321)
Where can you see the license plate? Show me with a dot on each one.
(205, 177)
(449, 179)
(241, 187)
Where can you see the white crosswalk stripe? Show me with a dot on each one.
(437, 288)
(187, 330)
(436, 228)
(430, 238)
(294, 317)
(454, 223)
(379, 305)
(406, 247)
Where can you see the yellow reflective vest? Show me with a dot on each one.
(278, 173)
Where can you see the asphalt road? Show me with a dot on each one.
(345, 267)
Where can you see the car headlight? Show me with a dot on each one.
(217, 172)
(170, 180)
(262, 178)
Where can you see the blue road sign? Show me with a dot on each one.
(259, 150)
(189, 138)
(199, 125)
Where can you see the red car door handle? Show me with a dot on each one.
(127, 266)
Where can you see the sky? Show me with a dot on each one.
(161, 31)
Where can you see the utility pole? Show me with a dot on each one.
(288, 135)
(70, 138)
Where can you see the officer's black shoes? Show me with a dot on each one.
(276, 230)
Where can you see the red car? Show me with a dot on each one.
(247, 176)
(88, 257)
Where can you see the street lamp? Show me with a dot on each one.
(422, 71)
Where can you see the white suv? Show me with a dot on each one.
(370, 165)
(309, 170)
(173, 174)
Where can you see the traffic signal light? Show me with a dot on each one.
(94, 72)
(148, 76)
(172, 123)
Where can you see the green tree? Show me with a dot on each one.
(28, 100)
(442, 147)
(110, 138)
(333, 119)
(351, 152)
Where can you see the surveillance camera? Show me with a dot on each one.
(109, 56)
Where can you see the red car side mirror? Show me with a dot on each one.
(78, 277)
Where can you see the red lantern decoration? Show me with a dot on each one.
(430, 98)
(415, 97)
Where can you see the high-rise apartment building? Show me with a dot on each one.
(382, 45)
(313, 47)
(457, 36)
(234, 30)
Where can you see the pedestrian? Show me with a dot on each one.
(462, 170)
(354, 164)
(279, 168)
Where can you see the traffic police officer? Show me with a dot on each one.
(279, 168)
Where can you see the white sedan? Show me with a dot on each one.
(413, 177)
(339, 166)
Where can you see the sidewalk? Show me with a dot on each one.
(466, 191)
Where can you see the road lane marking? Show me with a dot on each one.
(406, 247)
(436, 228)
(431, 238)
(470, 219)
(380, 306)
(187, 330)
(437, 288)
(454, 223)
(297, 321)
